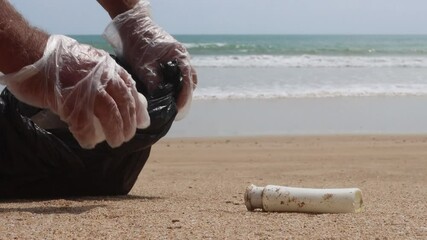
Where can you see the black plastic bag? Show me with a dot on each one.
(49, 163)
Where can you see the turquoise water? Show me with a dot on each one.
(325, 45)
(289, 66)
(95, 40)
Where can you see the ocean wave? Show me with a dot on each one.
(397, 90)
(312, 45)
(205, 45)
(308, 61)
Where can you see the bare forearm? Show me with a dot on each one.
(115, 7)
(20, 44)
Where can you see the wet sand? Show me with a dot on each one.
(193, 189)
(304, 116)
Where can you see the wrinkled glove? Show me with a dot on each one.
(86, 88)
(144, 46)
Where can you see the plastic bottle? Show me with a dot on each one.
(274, 198)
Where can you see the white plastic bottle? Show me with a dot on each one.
(274, 198)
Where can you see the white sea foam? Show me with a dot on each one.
(204, 45)
(212, 93)
(313, 61)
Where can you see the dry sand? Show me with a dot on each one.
(193, 189)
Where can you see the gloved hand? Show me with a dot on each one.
(143, 45)
(86, 88)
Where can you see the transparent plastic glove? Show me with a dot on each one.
(143, 45)
(86, 88)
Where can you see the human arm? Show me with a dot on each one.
(144, 46)
(21, 44)
(84, 86)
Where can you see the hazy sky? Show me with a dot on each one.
(241, 16)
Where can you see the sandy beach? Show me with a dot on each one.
(312, 94)
(193, 189)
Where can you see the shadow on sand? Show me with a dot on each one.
(67, 205)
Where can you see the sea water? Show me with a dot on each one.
(308, 66)
(303, 84)
(288, 66)
(307, 84)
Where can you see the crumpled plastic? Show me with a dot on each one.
(86, 88)
(143, 45)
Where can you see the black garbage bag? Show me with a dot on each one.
(37, 162)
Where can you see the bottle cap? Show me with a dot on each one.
(253, 197)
